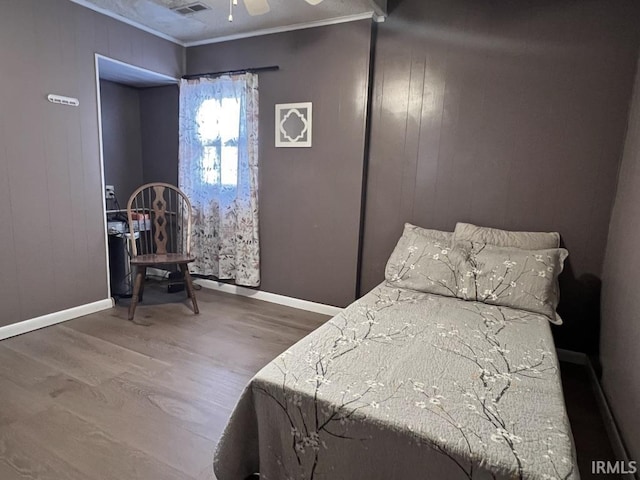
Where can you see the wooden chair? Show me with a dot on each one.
(161, 214)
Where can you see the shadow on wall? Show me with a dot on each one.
(499, 26)
(580, 310)
(392, 5)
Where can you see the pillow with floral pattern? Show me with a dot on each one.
(511, 277)
(423, 260)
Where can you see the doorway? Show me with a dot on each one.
(138, 134)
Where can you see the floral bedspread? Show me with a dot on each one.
(407, 385)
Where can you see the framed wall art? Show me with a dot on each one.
(293, 124)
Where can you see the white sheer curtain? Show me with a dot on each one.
(218, 170)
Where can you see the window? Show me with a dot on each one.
(218, 171)
(219, 129)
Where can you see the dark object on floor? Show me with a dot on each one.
(119, 268)
(176, 282)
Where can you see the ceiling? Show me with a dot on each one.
(213, 24)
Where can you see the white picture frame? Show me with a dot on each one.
(293, 127)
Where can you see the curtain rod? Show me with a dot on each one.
(231, 72)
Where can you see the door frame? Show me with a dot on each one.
(131, 75)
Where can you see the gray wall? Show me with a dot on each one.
(506, 114)
(52, 239)
(620, 355)
(309, 197)
(140, 136)
(159, 110)
(121, 139)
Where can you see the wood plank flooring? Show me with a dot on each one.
(101, 397)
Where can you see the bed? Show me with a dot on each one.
(408, 384)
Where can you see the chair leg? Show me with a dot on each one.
(144, 277)
(137, 284)
(189, 284)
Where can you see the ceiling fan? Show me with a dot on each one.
(260, 7)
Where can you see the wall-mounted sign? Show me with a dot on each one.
(293, 124)
(70, 101)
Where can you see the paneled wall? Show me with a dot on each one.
(505, 114)
(140, 136)
(620, 355)
(52, 245)
(159, 109)
(121, 138)
(309, 197)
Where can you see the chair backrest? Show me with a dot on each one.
(161, 213)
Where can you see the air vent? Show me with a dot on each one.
(192, 8)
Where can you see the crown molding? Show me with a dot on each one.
(373, 14)
(285, 28)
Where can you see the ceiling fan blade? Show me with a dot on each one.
(257, 7)
(313, 2)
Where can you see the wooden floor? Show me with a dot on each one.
(100, 397)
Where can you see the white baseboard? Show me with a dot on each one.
(269, 297)
(53, 318)
(610, 426)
